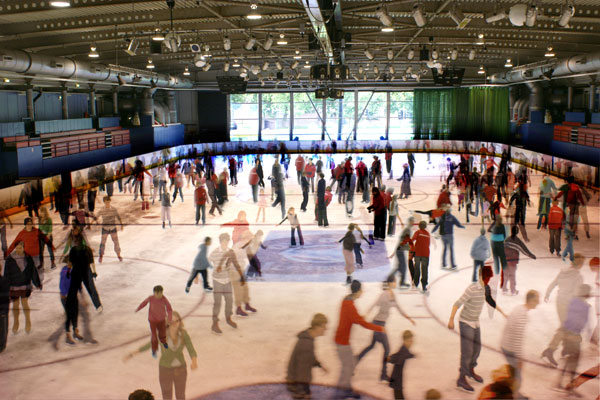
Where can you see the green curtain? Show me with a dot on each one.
(462, 114)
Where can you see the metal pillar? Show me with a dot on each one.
(147, 103)
(355, 114)
(291, 116)
(115, 98)
(172, 104)
(324, 119)
(65, 103)
(29, 98)
(592, 99)
(92, 101)
(570, 98)
(388, 107)
(260, 117)
(340, 117)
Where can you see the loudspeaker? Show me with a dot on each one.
(321, 93)
(280, 75)
(232, 84)
(319, 72)
(449, 77)
(155, 47)
(336, 93)
(424, 55)
(338, 72)
(195, 48)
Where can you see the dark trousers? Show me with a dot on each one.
(3, 329)
(201, 210)
(214, 204)
(379, 223)
(398, 395)
(92, 200)
(3, 239)
(255, 193)
(158, 330)
(391, 225)
(477, 264)
(421, 269)
(554, 242)
(401, 265)
(382, 338)
(88, 282)
(304, 201)
(357, 254)
(255, 267)
(193, 275)
(498, 255)
(300, 238)
(470, 347)
(50, 251)
(169, 377)
(322, 216)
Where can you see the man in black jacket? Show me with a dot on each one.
(321, 206)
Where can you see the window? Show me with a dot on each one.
(276, 116)
(332, 124)
(372, 115)
(307, 112)
(244, 116)
(401, 115)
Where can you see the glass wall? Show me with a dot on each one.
(276, 116)
(307, 112)
(372, 123)
(307, 124)
(244, 116)
(401, 115)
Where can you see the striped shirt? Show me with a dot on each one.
(514, 331)
(472, 300)
(222, 260)
(385, 302)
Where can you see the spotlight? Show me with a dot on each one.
(480, 41)
(93, 53)
(282, 41)
(186, 71)
(390, 54)
(226, 66)
(508, 63)
(294, 64)
(61, 4)
(226, 43)
(255, 69)
(385, 19)
(550, 52)
(387, 29)
(254, 14)
(369, 54)
(409, 70)
(278, 66)
(495, 17)
(199, 61)
(158, 36)
(411, 54)
(518, 14)
(243, 73)
(268, 42)
(132, 46)
(150, 65)
(172, 42)
(454, 54)
(361, 69)
(297, 56)
(568, 10)
(307, 65)
(376, 70)
(458, 17)
(481, 70)
(418, 15)
(472, 54)
(265, 66)
(250, 43)
(434, 54)
(531, 15)
(391, 69)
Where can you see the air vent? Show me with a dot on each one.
(54, 64)
(7, 58)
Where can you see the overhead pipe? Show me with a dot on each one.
(24, 62)
(582, 63)
(524, 109)
(515, 109)
(513, 95)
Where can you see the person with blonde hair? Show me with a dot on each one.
(292, 217)
(304, 359)
(348, 242)
(172, 368)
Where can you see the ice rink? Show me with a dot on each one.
(298, 282)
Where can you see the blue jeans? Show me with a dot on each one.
(569, 248)
(401, 265)
(300, 238)
(201, 210)
(382, 338)
(470, 347)
(513, 360)
(477, 264)
(357, 254)
(448, 241)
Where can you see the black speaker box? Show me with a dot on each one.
(232, 84)
(155, 47)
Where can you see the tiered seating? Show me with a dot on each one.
(60, 144)
(19, 141)
(573, 132)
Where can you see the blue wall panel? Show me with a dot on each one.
(78, 105)
(583, 154)
(169, 136)
(12, 107)
(12, 129)
(30, 161)
(575, 117)
(596, 118)
(105, 122)
(141, 139)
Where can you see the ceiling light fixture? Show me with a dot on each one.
(376, 70)
(206, 67)
(472, 54)
(294, 65)
(531, 15)
(369, 54)
(235, 64)
(255, 69)
(186, 71)
(454, 54)
(254, 14)
(568, 10)
(480, 40)
(226, 43)
(307, 64)
(60, 4)
(434, 54)
(390, 54)
(550, 52)
(265, 66)
(93, 53)
(297, 56)
(150, 65)
(226, 66)
(282, 41)
(199, 61)
(419, 16)
(6, 80)
(458, 17)
(508, 63)
(132, 46)
(411, 54)
(278, 66)
(158, 36)
(391, 69)
(384, 17)
(250, 43)
(361, 69)
(481, 70)
(387, 29)
(268, 42)
(496, 16)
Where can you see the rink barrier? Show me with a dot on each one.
(558, 167)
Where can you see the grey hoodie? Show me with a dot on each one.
(303, 359)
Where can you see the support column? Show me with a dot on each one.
(513, 95)
(387, 115)
(324, 118)
(291, 115)
(340, 116)
(115, 98)
(592, 98)
(65, 102)
(29, 99)
(92, 101)
(570, 98)
(260, 117)
(147, 103)
(172, 104)
(355, 114)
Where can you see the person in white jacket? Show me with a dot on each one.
(567, 280)
(480, 251)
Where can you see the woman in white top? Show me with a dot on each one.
(384, 302)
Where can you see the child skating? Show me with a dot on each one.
(159, 313)
(165, 209)
(292, 217)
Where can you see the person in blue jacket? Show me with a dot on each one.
(446, 225)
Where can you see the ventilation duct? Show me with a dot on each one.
(579, 64)
(28, 63)
(536, 96)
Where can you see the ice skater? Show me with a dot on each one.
(262, 204)
(292, 217)
(159, 314)
(405, 179)
(109, 216)
(446, 223)
(398, 359)
(45, 227)
(512, 247)
(200, 266)
(165, 208)
(252, 246)
(385, 302)
(348, 242)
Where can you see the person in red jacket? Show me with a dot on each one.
(376, 171)
(348, 171)
(444, 197)
(379, 218)
(388, 161)
(556, 216)
(421, 239)
(253, 181)
(573, 199)
(348, 317)
(200, 196)
(311, 171)
(299, 166)
(31, 238)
